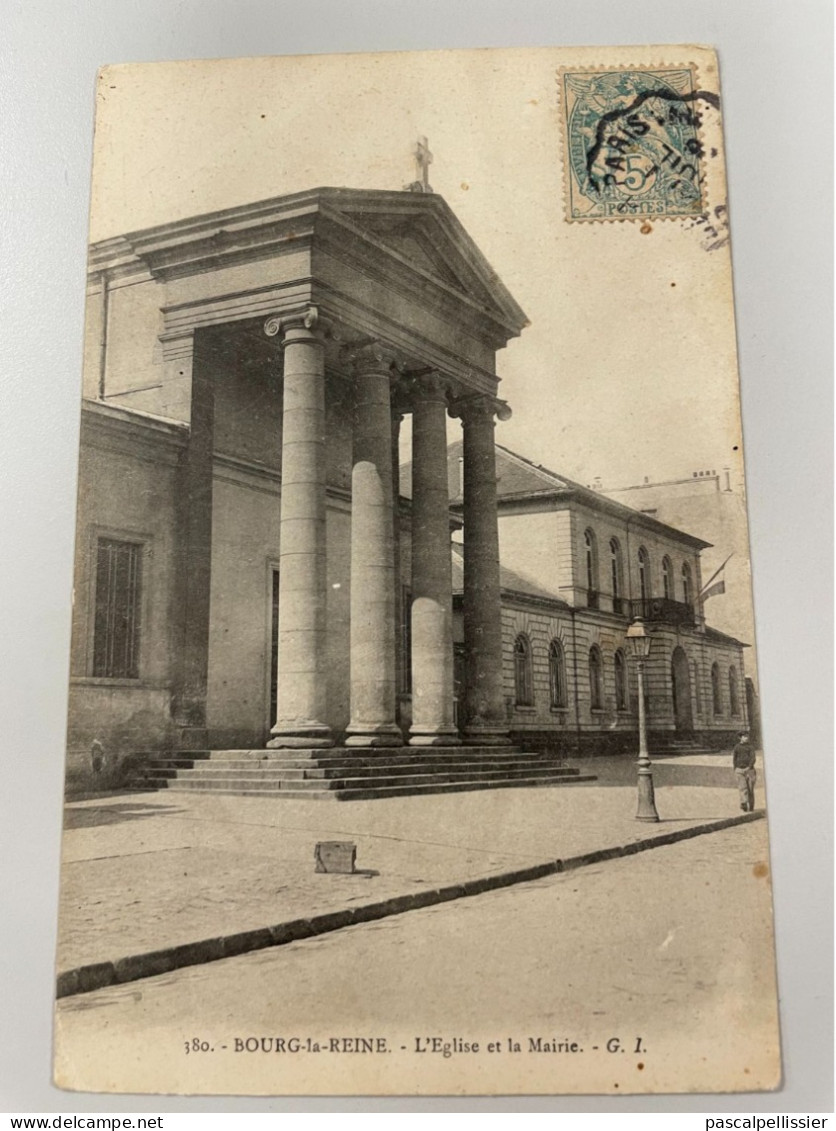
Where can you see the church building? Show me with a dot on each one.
(249, 577)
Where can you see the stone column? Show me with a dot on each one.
(486, 723)
(302, 672)
(432, 594)
(373, 636)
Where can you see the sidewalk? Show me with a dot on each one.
(147, 872)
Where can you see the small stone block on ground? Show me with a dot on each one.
(335, 856)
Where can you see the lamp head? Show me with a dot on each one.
(639, 639)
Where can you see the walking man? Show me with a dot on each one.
(744, 767)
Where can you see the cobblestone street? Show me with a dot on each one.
(143, 871)
(669, 953)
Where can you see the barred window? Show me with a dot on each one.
(523, 673)
(596, 698)
(716, 697)
(620, 681)
(734, 702)
(667, 578)
(644, 574)
(687, 584)
(616, 569)
(116, 630)
(591, 557)
(557, 674)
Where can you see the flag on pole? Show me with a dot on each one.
(709, 590)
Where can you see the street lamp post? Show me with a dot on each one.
(639, 640)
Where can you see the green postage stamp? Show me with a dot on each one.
(632, 143)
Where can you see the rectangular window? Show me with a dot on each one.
(117, 611)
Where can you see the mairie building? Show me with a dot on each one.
(259, 605)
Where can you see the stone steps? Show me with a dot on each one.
(257, 782)
(370, 792)
(342, 774)
(303, 758)
(309, 773)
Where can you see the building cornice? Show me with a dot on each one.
(553, 604)
(562, 498)
(99, 417)
(268, 228)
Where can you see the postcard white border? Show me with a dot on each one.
(781, 245)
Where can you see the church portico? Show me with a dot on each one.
(298, 340)
(383, 387)
(253, 581)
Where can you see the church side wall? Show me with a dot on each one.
(127, 487)
(245, 547)
(248, 414)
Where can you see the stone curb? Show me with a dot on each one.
(98, 975)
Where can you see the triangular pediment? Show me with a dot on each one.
(413, 242)
(422, 230)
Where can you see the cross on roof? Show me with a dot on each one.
(423, 160)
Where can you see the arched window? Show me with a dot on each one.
(687, 584)
(667, 578)
(596, 698)
(591, 556)
(615, 574)
(734, 702)
(523, 675)
(557, 674)
(715, 689)
(620, 681)
(644, 574)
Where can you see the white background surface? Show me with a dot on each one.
(775, 66)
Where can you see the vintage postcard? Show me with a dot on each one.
(414, 740)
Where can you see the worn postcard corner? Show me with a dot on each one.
(414, 737)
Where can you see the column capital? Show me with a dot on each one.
(480, 407)
(304, 318)
(431, 386)
(370, 357)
